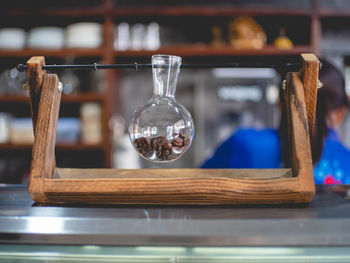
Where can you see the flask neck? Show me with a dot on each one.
(165, 73)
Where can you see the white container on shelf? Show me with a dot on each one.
(84, 35)
(4, 127)
(138, 37)
(46, 38)
(91, 128)
(153, 39)
(12, 38)
(122, 37)
(21, 131)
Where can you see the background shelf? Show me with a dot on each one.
(205, 11)
(198, 50)
(60, 12)
(76, 52)
(77, 98)
(59, 146)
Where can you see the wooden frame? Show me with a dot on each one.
(49, 184)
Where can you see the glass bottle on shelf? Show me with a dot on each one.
(161, 130)
(282, 41)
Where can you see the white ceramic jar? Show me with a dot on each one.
(84, 35)
(12, 38)
(46, 38)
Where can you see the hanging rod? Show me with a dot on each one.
(137, 66)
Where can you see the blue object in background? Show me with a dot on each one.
(251, 148)
(248, 148)
(68, 130)
(334, 165)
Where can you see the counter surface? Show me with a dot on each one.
(324, 222)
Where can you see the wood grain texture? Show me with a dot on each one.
(170, 186)
(43, 155)
(299, 133)
(193, 191)
(309, 75)
(74, 173)
(35, 75)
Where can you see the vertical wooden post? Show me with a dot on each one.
(45, 101)
(309, 76)
(35, 75)
(299, 139)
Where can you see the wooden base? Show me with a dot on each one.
(49, 184)
(173, 186)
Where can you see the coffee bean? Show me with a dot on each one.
(182, 136)
(159, 154)
(137, 142)
(178, 142)
(161, 146)
(160, 140)
(154, 143)
(167, 145)
(146, 143)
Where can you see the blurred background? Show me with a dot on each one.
(97, 105)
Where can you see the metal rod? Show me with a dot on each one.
(136, 66)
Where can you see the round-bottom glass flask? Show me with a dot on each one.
(161, 130)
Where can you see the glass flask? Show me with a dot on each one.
(161, 130)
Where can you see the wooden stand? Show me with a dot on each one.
(49, 184)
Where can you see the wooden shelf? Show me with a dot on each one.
(14, 99)
(187, 50)
(79, 146)
(206, 50)
(82, 97)
(29, 52)
(334, 13)
(206, 11)
(78, 98)
(59, 146)
(173, 11)
(100, 11)
(64, 12)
